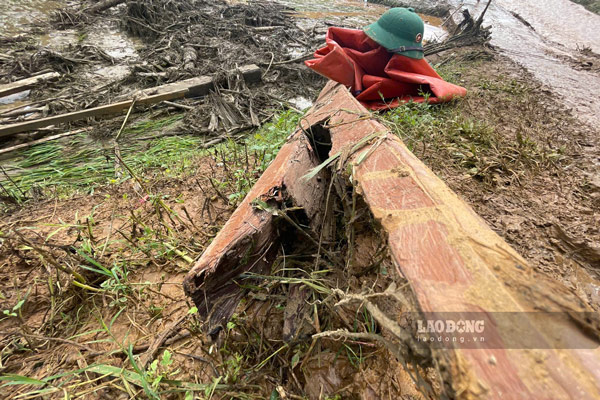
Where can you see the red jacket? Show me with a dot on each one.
(370, 71)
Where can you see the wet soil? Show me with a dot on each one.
(550, 215)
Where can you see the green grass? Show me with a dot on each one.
(81, 164)
(442, 136)
(592, 5)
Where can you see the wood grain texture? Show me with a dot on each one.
(24, 84)
(451, 258)
(456, 263)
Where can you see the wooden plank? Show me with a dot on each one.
(24, 84)
(193, 87)
(42, 140)
(456, 264)
(57, 119)
(452, 259)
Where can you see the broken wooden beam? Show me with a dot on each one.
(193, 87)
(25, 84)
(455, 263)
(248, 241)
(451, 258)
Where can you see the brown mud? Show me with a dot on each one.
(544, 202)
(547, 208)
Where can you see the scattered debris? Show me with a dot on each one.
(468, 33)
(329, 310)
(192, 87)
(462, 260)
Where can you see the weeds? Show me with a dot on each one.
(432, 132)
(94, 262)
(81, 165)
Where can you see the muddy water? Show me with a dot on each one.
(15, 14)
(557, 28)
(353, 13)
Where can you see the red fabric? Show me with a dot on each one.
(352, 58)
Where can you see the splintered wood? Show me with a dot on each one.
(452, 259)
(248, 241)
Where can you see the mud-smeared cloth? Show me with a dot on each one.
(377, 78)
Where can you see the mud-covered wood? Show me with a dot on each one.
(451, 258)
(249, 240)
(454, 262)
(193, 87)
(28, 83)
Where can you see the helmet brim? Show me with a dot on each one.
(391, 41)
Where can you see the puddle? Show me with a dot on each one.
(103, 35)
(112, 73)
(16, 14)
(14, 98)
(113, 42)
(58, 39)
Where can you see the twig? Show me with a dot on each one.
(480, 19)
(126, 119)
(11, 181)
(160, 340)
(270, 64)
(176, 105)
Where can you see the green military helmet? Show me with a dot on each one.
(400, 31)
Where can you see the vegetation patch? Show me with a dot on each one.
(82, 163)
(443, 132)
(592, 5)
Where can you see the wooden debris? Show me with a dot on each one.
(192, 87)
(28, 83)
(467, 33)
(42, 140)
(249, 240)
(451, 258)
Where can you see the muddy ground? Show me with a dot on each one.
(92, 269)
